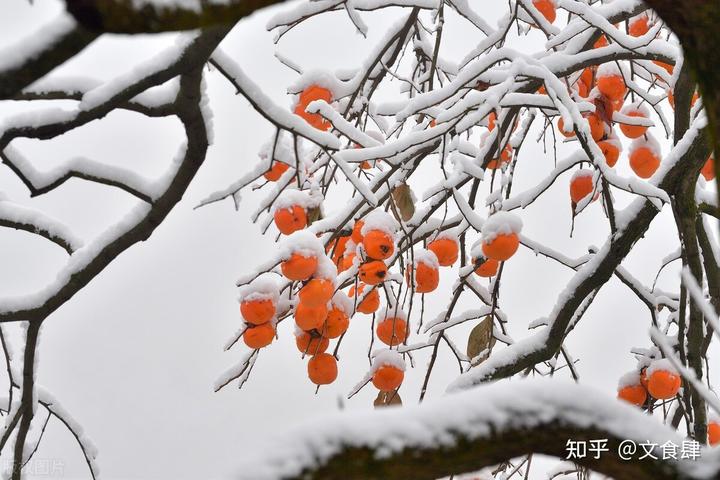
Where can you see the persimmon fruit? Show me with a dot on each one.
(291, 219)
(392, 331)
(663, 384)
(259, 336)
(502, 247)
(378, 244)
(316, 292)
(373, 272)
(634, 394)
(446, 250)
(387, 378)
(257, 312)
(322, 369)
(299, 267)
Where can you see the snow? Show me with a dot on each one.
(342, 302)
(89, 450)
(711, 317)
(387, 356)
(629, 379)
(284, 150)
(646, 141)
(301, 242)
(427, 257)
(41, 222)
(89, 168)
(264, 287)
(321, 78)
(500, 223)
(115, 87)
(482, 413)
(33, 45)
(659, 365)
(580, 173)
(379, 220)
(278, 115)
(393, 311)
(289, 198)
(326, 269)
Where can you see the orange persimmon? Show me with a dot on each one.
(387, 378)
(370, 303)
(392, 331)
(259, 336)
(322, 369)
(316, 292)
(663, 384)
(310, 344)
(299, 267)
(502, 247)
(445, 249)
(378, 244)
(291, 219)
(373, 272)
(258, 311)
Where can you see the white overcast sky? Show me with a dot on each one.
(135, 354)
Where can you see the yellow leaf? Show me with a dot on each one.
(481, 340)
(404, 201)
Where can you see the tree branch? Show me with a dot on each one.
(125, 16)
(466, 432)
(65, 40)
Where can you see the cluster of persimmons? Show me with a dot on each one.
(369, 246)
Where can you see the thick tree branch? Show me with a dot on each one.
(695, 22)
(190, 114)
(65, 41)
(466, 432)
(125, 16)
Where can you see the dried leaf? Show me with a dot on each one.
(481, 86)
(481, 339)
(604, 109)
(404, 201)
(386, 399)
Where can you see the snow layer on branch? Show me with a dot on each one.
(481, 413)
(194, 5)
(64, 84)
(529, 196)
(159, 62)
(276, 114)
(500, 223)
(32, 45)
(283, 149)
(20, 214)
(308, 9)
(93, 169)
(88, 448)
